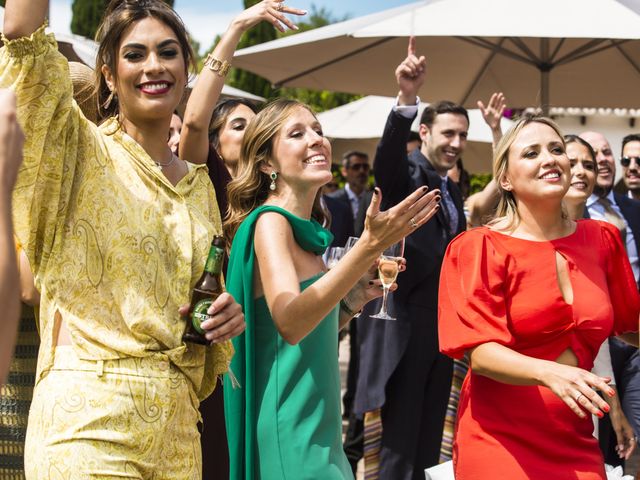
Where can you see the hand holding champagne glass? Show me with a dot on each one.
(388, 268)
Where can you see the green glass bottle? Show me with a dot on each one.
(206, 290)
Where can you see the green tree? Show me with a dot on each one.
(86, 16)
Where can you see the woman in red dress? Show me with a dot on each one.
(529, 299)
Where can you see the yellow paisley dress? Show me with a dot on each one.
(115, 249)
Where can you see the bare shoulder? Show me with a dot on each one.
(273, 229)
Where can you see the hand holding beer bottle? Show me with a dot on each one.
(213, 315)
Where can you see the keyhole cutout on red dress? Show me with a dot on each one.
(563, 278)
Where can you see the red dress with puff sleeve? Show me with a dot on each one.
(498, 288)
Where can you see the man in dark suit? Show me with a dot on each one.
(355, 169)
(343, 205)
(402, 372)
(618, 209)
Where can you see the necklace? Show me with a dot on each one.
(162, 165)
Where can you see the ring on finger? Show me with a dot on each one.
(280, 6)
(413, 223)
(577, 397)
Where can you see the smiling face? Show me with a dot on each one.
(174, 133)
(538, 167)
(301, 154)
(583, 173)
(232, 133)
(445, 141)
(150, 75)
(631, 174)
(604, 157)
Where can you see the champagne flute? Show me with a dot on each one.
(388, 268)
(351, 241)
(334, 256)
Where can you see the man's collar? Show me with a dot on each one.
(351, 193)
(594, 198)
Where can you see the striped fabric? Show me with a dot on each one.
(15, 398)
(372, 444)
(460, 368)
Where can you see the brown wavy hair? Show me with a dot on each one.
(118, 17)
(250, 188)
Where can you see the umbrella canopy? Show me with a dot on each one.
(366, 117)
(582, 53)
(359, 125)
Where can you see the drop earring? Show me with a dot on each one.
(273, 176)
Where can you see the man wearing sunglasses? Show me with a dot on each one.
(630, 162)
(618, 209)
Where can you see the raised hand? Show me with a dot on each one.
(494, 110)
(388, 227)
(410, 74)
(272, 11)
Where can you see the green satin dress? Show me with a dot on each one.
(284, 419)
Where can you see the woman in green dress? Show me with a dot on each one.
(284, 419)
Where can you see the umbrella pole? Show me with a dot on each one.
(545, 69)
(544, 91)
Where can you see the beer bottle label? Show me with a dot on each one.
(199, 313)
(214, 260)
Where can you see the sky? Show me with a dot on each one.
(207, 18)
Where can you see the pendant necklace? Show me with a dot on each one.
(162, 165)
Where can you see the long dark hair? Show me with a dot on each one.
(119, 16)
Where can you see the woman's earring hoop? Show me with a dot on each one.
(274, 177)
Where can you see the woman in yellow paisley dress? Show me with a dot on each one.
(117, 230)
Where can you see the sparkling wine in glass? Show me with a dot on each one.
(388, 268)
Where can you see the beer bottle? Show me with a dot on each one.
(206, 290)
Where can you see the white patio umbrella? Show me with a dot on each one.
(359, 125)
(581, 53)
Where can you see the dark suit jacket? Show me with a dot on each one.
(631, 212)
(415, 303)
(341, 217)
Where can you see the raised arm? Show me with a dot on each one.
(194, 139)
(492, 114)
(482, 204)
(23, 17)
(11, 141)
(391, 165)
(295, 314)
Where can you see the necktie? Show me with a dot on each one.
(450, 211)
(614, 218)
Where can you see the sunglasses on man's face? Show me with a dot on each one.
(626, 161)
(360, 166)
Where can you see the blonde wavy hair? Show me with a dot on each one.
(250, 188)
(507, 212)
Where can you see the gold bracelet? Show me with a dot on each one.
(221, 67)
